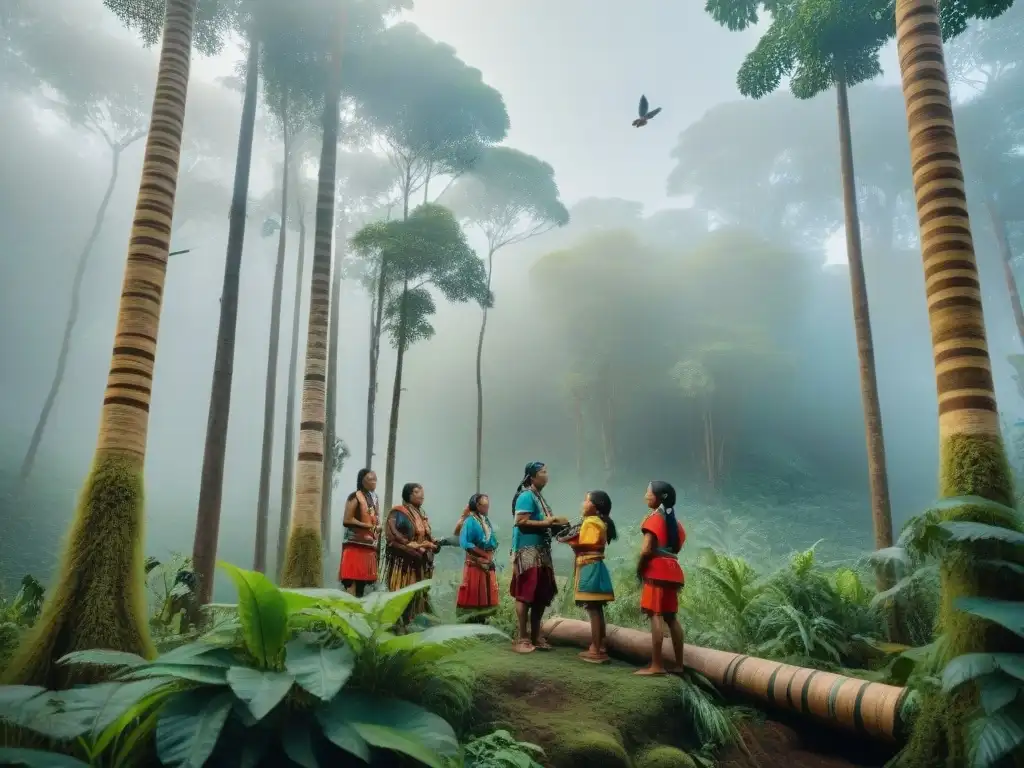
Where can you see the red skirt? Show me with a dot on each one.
(659, 598)
(358, 564)
(535, 586)
(479, 588)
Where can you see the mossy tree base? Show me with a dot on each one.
(970, 465)
(664, 757)
(97, 598)
(303, 560)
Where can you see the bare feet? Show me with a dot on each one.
(650, 671)
(523, 646)
(542, 645)
(594, 657)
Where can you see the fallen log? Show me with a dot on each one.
(859, 706)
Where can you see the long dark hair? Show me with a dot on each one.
(407, 491)
(666, 495)
(603, 504)
(360, 476)
(527, 482)
(474, 501)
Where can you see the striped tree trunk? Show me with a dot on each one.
(98, 597)
(972, 459)
(303, 566)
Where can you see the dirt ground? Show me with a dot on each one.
(772, 744)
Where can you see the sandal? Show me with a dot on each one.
(523, 646)
(544, 645)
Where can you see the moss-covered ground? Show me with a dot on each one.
(581, 714)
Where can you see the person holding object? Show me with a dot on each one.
(533, 575)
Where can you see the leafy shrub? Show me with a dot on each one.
(18, 614)
(307, 676)
(500, 749)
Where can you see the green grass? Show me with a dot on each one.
(552, 698)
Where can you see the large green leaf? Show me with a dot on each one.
(297, 599)
(37, 758)
(263, 613)
(104, 658)
(340, 733)
(966, 531)
(993, 737)
(398, 726)
(298, 745)
(197, 654)
(260, 689)
(194, 673)
(1005, 613)
(971, 666)
(953, 502)
(189, 726)
(386, 608)
(319, 670)
(445, 633)
(28, 706)
(997, 691)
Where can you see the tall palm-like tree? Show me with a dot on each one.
(211, 484)
(303, 560)
(972, 460)
(98, 596)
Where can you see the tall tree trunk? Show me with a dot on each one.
(72, 318)
(211, 486)
(396, 398)
(878, 479)
(288, 468)
(259, 559)
(303, 562)
(972, 459)
(480, 377)
(581, 444)
(331, 422)
(376, 325)
(98, 596)
(1006, 256)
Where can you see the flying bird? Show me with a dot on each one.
(645, 115)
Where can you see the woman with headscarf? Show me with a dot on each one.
(478, 593)
(533, 574)
(358, 565)
(661, 574)
(410, 548)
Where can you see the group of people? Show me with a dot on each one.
(404, 544)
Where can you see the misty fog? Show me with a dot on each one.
(570, 73)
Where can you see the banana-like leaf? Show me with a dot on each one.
(971, 666)
(101, 657)
(192, 673)
(997, 691)
(952, 502)
(387, 608)
(1005, 613)
(263, 613)
(967, 531)
(446, 633)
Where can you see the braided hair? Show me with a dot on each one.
(603, 504)
(666, 494)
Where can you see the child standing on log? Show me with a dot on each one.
(592, 582)
(661, 574)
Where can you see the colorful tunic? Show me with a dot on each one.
(359, 550)
(479, 588)
(405, 566)
(662, 574)
(533, 574)
(592, 582)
